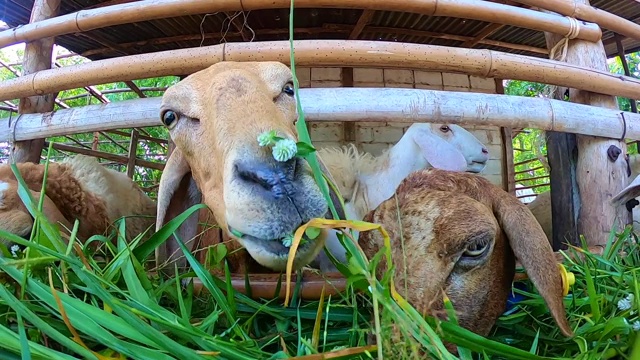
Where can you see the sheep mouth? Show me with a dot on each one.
(275, 247)
(476, 166)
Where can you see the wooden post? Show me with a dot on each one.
(37, 56)
(598, 178)
(508, 166)
(133, 150)
(349, 128)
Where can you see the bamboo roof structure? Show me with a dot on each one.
(269, 21)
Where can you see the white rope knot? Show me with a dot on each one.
(563, 44)
(574, 31)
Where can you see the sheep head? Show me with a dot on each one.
(459, 234)
(448, 147)
(214, 117)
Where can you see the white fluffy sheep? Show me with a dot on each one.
(366, 181)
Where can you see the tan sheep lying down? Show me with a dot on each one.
(459, 228)
(77, 188)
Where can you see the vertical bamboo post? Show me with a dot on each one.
(37, 56)
(597, 176)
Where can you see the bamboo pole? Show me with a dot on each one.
(354, 104)
(598, 178)
(86, 20)
(327, 53)
(579, 10)
(37, 56)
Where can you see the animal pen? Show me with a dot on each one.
(367, 70)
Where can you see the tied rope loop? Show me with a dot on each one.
(559, 51)
(12, 126)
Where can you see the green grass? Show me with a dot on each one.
(62, 302)
(104, 308)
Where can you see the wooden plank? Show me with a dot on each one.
(348, 128)
(598, 178)
(562, 155)
(354, 104)
(487, 31)
(37, 56)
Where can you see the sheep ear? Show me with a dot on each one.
(178, 192)
(630, 192)
(532, 248)
(439, 153)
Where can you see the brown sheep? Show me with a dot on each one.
(78, 188)
(214, 117)
(461, 233)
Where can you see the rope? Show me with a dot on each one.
(12, 127)
(559, 51)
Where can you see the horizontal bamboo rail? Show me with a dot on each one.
(86, 20)
(584, 12)
(328, 53)
(354, 104)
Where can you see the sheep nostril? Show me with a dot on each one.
(275, 177)
(485, 151)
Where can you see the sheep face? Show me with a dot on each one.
(215, 117)
(455, 140)
(459, 234)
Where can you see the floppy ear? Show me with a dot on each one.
(630, 192)
(177, 192)
(439, 153)
(531, 246)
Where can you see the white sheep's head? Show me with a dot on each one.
(215, 117)
(448, 147)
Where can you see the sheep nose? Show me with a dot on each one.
(275, 177)
(484, 150)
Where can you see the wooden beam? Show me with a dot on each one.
(107, 156)
(355, 104)
(37, 56)
(487, 31)
(508, 168)
(598, 178)
(348, 128)
(562, 155)
(363, 21)
(133, 149)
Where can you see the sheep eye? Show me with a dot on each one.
(445, 128)
(476, 250)
(288, 89)
(169, 119)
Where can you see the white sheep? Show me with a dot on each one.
(77, 188)
(366, 181)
